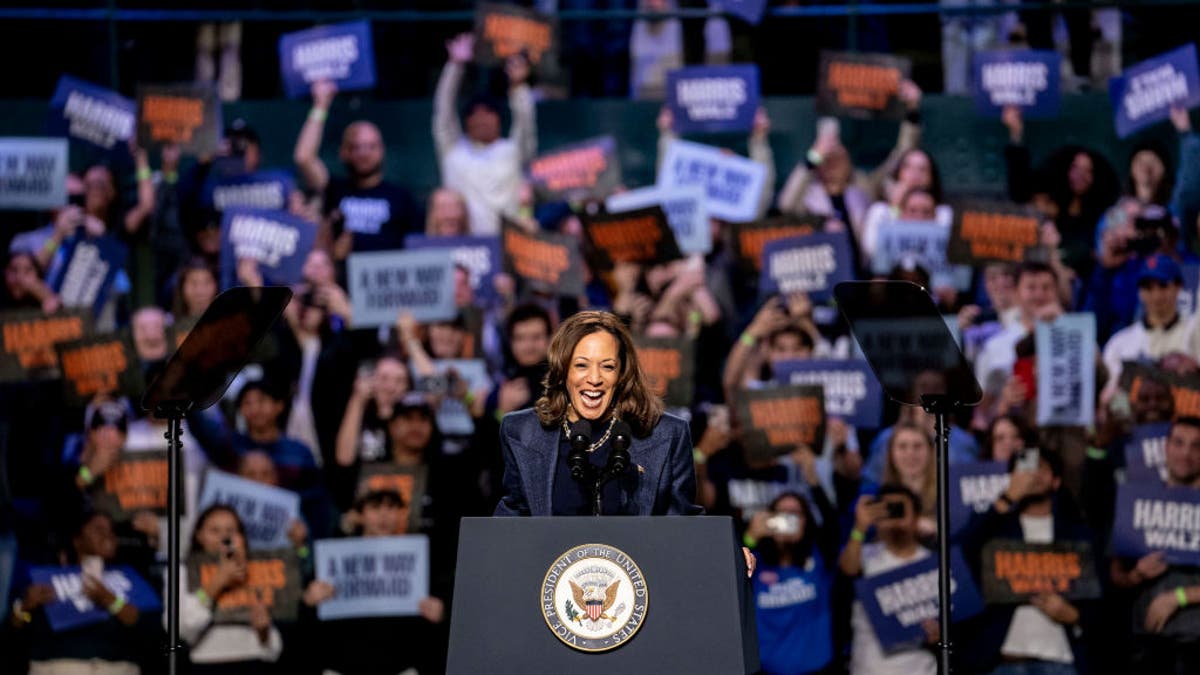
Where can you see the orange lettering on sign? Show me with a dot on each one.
(172, 118)
(787, 421)
(660, 365)
(1028, 572)
(263, 579)
(33, 341)
(511, 35)
(570, 169)
(138, 484)
(861, 85)
(536, 259)
(94, 369)
(632, 240)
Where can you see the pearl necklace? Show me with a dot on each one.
(597, 444)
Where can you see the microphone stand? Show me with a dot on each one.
(940, 405)
(618, 463)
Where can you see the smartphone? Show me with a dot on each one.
(227, 549)
(783, 523)
(1023, 371)
(1028, 459)
(894, 510)
(829, 126)
(92, 566)
(718, 417)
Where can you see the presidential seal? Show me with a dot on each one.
(594, 597)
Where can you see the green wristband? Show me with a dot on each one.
(858, 535)
(116, 606)
(203, 597)
(1181, 596)
(86, 475)
(749, 541)
(748, 340)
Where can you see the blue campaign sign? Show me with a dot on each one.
(974, 487)
(383, 283)
(266, 511)
(1191, 289)
(278, 240)
(687, 214)
(1145, 93)
(372, 576)
(90, 113)
(90, 270)
(713, 99)
(899, 601)
(33, 173)
(342, 52)
(1066, 376)
(812, 264)
(733, 185)
(1026, 78)
(1153, 517)
(1145, 453)
(750, 11)
(261, 190)
(480, 256)
(923, 243)
(851, 390)
(72, 608)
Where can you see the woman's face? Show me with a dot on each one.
(199, 289)
(910, 454)
(258, 467)
(1146, 169)
(1006, 440)
(918, 205)
(390, 379)
(592, 375)
(835, 168)
(318, 268)
(446, 340)
(97, 538)
(99, 191)
(411, 430)
(217, 528)
(1080, 175)
(916, 170)
(791, 505)
(19, 276)
(381, 520)
(447, 214)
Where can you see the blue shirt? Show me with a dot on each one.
(792, 606)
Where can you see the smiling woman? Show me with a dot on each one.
(594, 377)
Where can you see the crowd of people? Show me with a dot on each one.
(365, 425)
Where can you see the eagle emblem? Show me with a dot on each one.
(595, 600)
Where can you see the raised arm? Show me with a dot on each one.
(145, 190)
(308, 145)
(909, 137)
(760, 152)
(524, 113)
(447, 128)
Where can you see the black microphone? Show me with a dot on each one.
(580, 437)
(618, 458)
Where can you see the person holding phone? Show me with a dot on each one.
(222, 648)
(892, 515)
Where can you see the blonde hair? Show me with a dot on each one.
(928, 491)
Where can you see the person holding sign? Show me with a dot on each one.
(363, 211)
(219, 648)
(111, 642)
(893, 514)
(474, 159)
(1165, 626)
(595, 378)
(1051, 632)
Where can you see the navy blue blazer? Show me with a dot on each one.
(665, 475)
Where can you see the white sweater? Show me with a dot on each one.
(220, 643)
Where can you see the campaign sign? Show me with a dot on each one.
(750, 11)
(453, 416)
(588, 169)
(503, 30)
(1191, 289)
(1014, 571)
(640, 236)
(899, 601)
(265, 510)
(787, 417)
(33, 173)
(137, 482)
(851, 391)
(732, 184)
(72, 608)
(974, 487)
(865, 86)
(480, 256)
(342, 53)
(91, 269)
(923, 243)
(811, 264)
(1066, 370)
(985, 231)
(272, 578)
(183, 114)
(373, 576)
(277, 240)
(1145, 93)
(1146, 453)
(750, 239)
(384, 283)
(670, 368)
(685, 208)
(713, 99)
(1026, 78)
(1185, 389)
(1153, 517)
(99, 365)
(90, 113)
(548, 262)
(260, 191)
(28, 337)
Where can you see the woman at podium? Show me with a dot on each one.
(596, 406)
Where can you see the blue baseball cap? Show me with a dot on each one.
(1162, 268)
